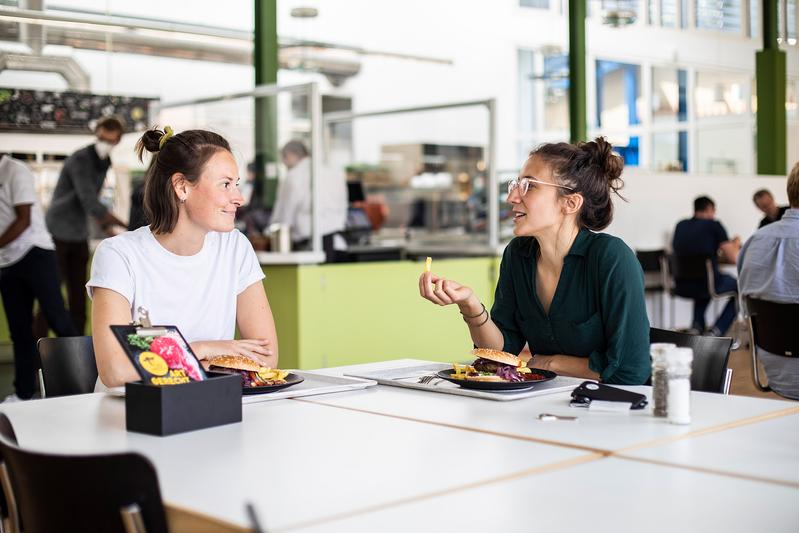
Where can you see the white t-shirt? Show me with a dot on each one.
(196, 293)
(17, 188)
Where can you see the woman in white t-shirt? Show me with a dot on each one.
(190, 267)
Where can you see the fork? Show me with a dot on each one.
(426, 380)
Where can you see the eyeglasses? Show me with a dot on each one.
(524, 185)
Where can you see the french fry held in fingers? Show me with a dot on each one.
(428, 266)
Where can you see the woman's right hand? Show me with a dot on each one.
(442, 291)
(256, 349)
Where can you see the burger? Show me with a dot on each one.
(496, 365)
(252, 374)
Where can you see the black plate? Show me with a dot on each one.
(497, 385)
(291, 379)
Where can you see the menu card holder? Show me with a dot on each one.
(212, 400)
(175, 409)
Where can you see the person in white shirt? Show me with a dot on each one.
(190, 267)
(293, 202)
(28, 272)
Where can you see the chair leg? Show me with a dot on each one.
(727, 381)
(11, 501)
(672, 312)
(132, 519)
(755, 371)
(42, 393)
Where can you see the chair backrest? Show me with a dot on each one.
(689, 267)
(775, 326)
(711, 354)
(68, 365)
(82, 492)
(650, 259)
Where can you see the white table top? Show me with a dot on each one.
(390, 459)
(297, 462)
(599, 431)
(767, 449)
(604, 496)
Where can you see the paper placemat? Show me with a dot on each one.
(408, 377)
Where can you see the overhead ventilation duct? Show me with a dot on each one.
(77, 79)
(336, 67)
(89, 30)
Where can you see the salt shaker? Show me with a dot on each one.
(678, 396)
(660, 384)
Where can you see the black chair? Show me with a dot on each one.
(774, 328)
(68, 366)
(87, 493)
(8, 505)
(655, 279)
(709, 372)
(699, 269)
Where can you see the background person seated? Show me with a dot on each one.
(769, 270)
(704, 235)
(764, 201)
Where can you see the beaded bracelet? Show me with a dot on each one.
(478, 314)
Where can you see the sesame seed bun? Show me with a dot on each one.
(497, 356)
(236, 362)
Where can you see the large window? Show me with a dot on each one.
(721, 15)
(791, 105)
(791, 26)
(727, 150)
(670, 151)
(669, 95)
(618, 94)
(618, 105)
(556, 91)
(541, 4)
(668, 13)
(720, 94)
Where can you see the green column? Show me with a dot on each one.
(578, 123)
(770, 71)
(266, 66)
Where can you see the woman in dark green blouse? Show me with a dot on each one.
(575, 296)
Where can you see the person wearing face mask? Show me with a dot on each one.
(190, 267)
(575, 296)
(75, 199)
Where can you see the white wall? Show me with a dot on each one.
(657, 201)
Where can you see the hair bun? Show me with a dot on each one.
(610, 163)
(149, 141)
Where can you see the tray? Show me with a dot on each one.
(312, 385)
(408, 377)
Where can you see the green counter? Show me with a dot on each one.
(341, 314)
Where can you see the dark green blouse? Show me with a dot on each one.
(598, 310)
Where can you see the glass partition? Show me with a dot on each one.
(420, 177)
(296, 192)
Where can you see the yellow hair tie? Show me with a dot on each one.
(168, 132)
